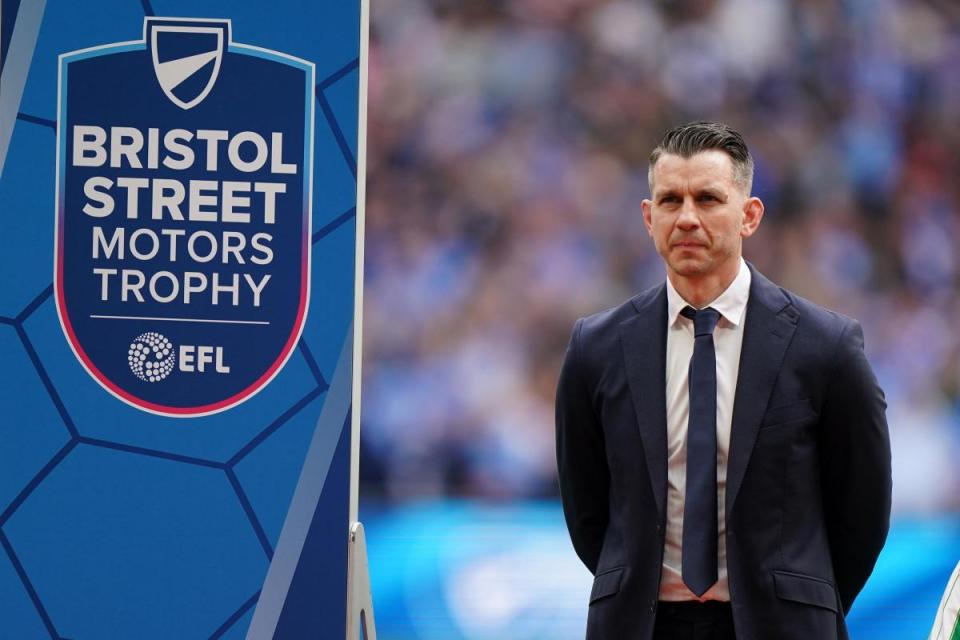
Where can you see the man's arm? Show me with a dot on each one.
(855, 453)
(581, 459)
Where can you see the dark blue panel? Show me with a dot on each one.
(9, 13)
(312, 610)
(252, 93)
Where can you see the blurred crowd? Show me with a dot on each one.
(508, 144)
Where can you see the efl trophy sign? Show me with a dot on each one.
(181, 200)
(182, 272)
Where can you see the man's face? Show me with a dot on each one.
(698, 216)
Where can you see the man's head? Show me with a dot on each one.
(700, 207)
(695, 137)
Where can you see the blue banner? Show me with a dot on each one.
(178, 201)
(182, 264)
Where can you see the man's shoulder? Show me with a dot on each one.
(815, 317)
(812, 320)
(609, 319)
(598, 336)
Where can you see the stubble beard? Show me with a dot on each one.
(698, 266)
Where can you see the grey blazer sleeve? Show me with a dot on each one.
(581, 458)
(855, 454)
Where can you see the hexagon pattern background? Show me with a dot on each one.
(116, 523)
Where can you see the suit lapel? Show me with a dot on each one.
(770, 322)
(644, 341)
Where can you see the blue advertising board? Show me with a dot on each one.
(180, 235)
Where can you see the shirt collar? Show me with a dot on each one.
(732, 303)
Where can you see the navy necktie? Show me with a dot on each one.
(699, 552)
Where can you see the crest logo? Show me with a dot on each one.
(184, 172)
(151, 357)
(186, 57)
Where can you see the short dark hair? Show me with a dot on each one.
(694, 137)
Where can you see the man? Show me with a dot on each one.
(722, 445)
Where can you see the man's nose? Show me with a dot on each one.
(688, 215)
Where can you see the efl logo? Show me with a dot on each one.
(152, 358)
(184, 164)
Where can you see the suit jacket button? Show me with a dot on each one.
(653, 606)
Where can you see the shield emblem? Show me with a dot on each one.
(186, 56)
(182, 261)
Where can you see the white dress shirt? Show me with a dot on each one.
(728, 340)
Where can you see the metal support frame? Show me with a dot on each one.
(359, 601)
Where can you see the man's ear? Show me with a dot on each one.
(752, 214)
(647, 206)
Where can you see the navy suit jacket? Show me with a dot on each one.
(808, 476)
